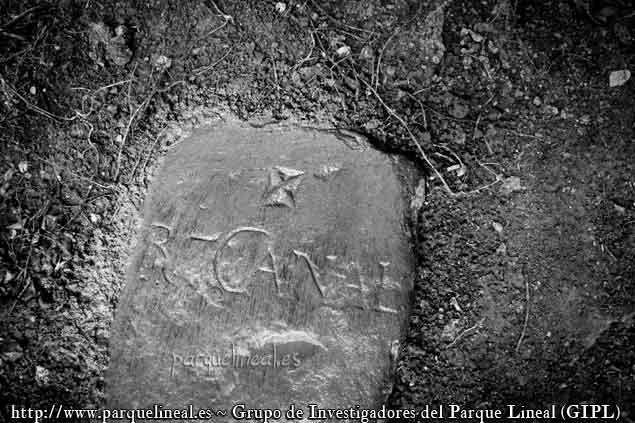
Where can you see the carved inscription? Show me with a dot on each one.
(331, 283)
(219, 252)
(315, 276)
(261, 245)
(160, 245)
(273, 269)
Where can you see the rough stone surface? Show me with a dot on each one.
(274, 268)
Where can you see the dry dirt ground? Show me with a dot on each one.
(525, 238)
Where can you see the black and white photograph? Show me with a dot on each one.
(317, 211)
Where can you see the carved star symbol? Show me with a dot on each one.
(283, 182)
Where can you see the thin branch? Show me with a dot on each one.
(77, 175)
(204, 69)
(422, 152)
(414, 139)
(465, 332)
(522, 334)
(127, 131)
(34, 107)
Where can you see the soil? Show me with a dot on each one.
(525, 240)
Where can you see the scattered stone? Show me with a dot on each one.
(281, 7)
(510, 185)
(515, 278)
(11, 352)
(343, 51)
(484, 27)
(459, 111)
(161, 62)
(103, 43)
(552, 110)
(41, 375)
(497, 227)
(455, 304)
(459, 135)
(619, 78)
(456, 358)
(366, 53)
(460, 169)
(451, 330)
(351, 83)
(478, 38)
(71, 196)
(491, 46)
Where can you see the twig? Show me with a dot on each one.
(332, 19)
(218, 28)
(85, 114)
(478, 120)
(465, 332)
(127, 131)
(12, 35)
(449, 150)
(520, 134)
(204, 69)
(36, 108)
(77, 175)
(522, 334)
(105, 87)
(423, 110)
(142, 106)
(20, 16)
(481, 188)
(275, 74)
(414, 139)
(381, 53)
(24, 274)
(228, 18)
(91, 129)
(308, 56)
(145, 163)
(486, 167)
(172, 85)
(422, 152)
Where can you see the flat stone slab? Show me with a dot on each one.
(274, 269)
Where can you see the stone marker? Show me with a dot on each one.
(274, 268)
